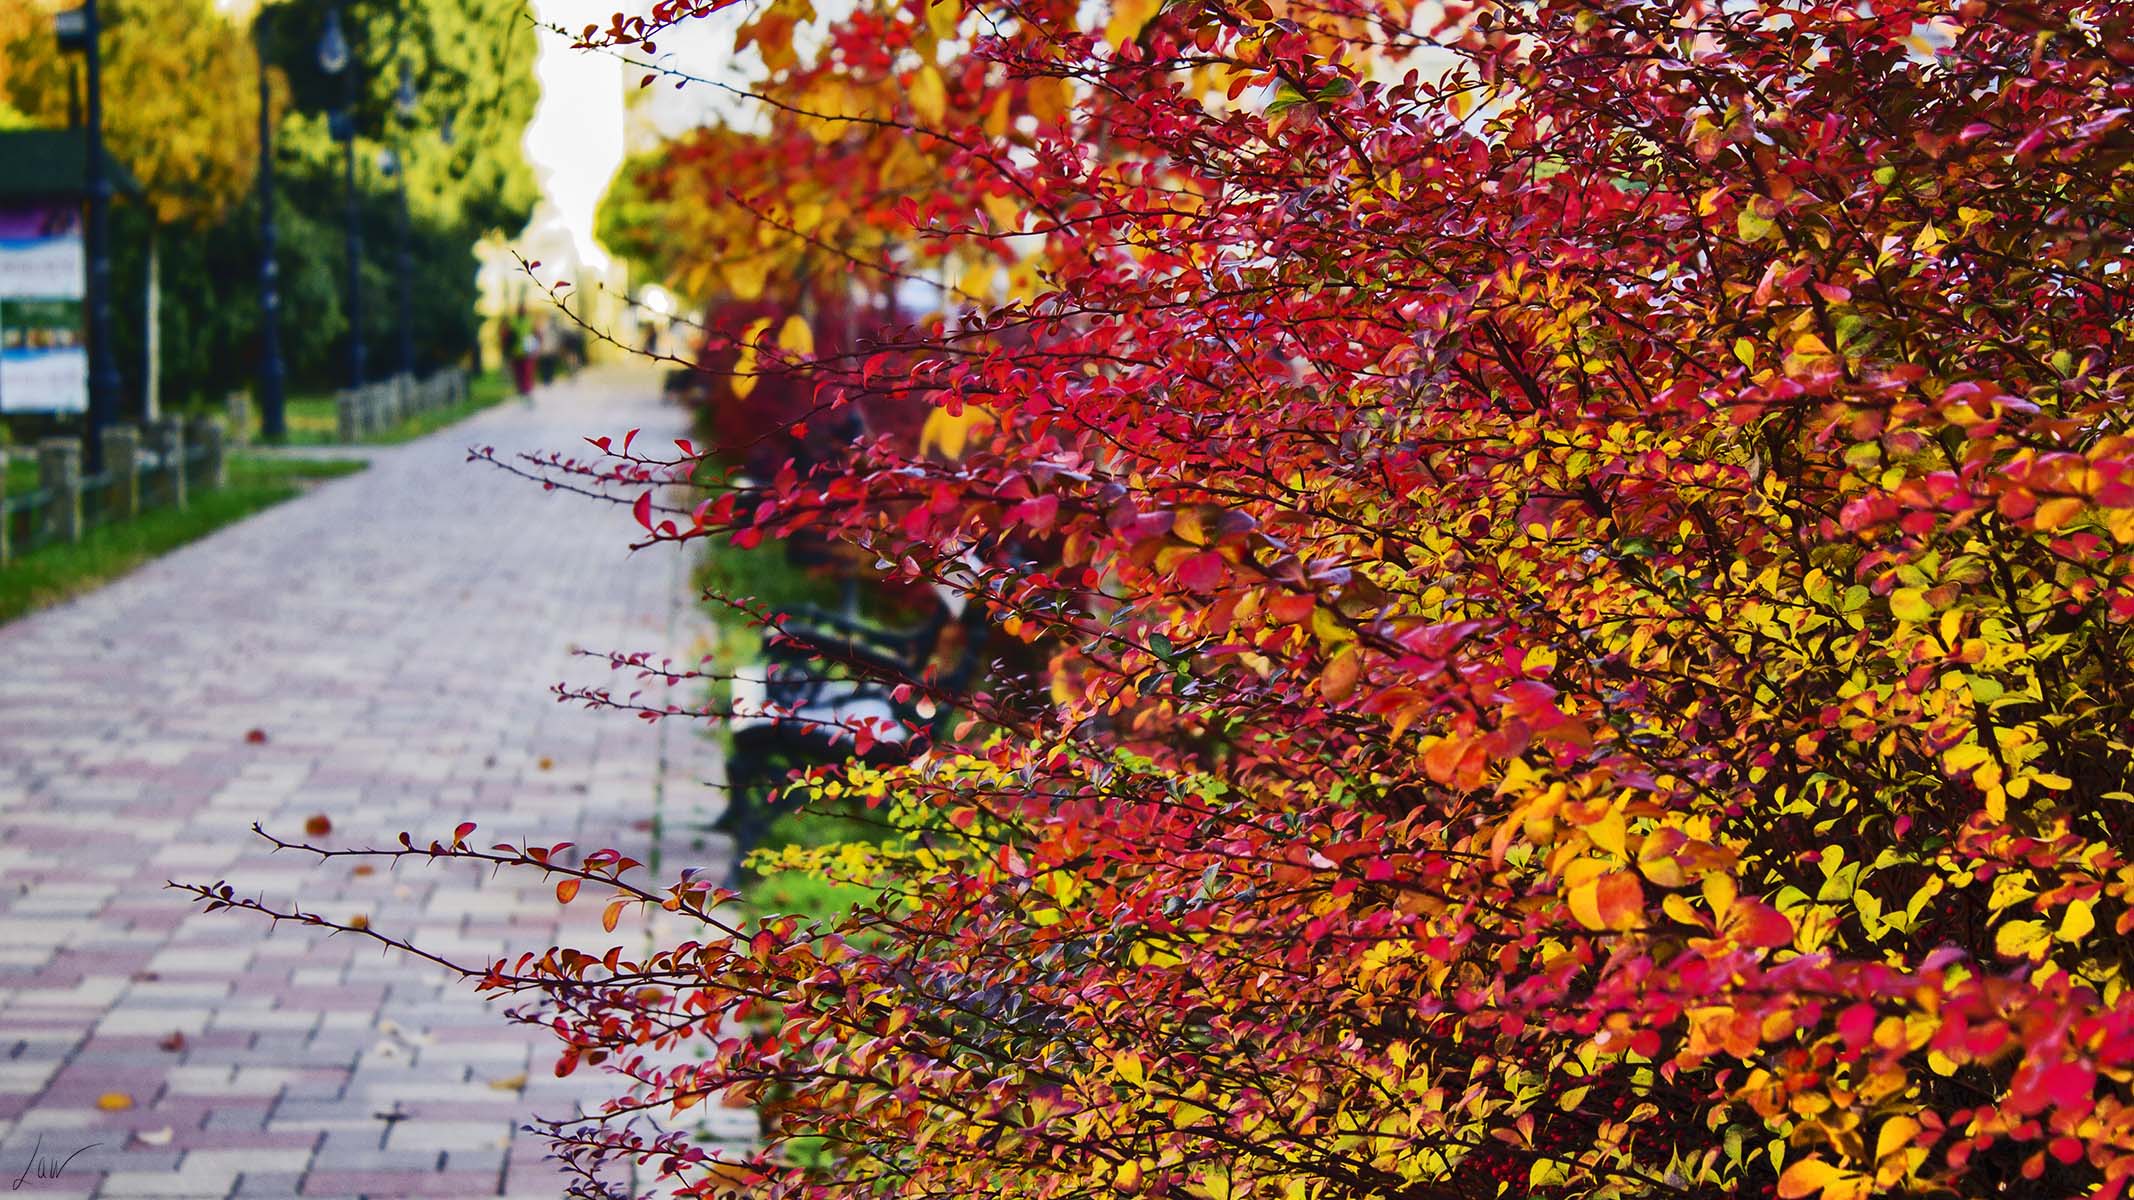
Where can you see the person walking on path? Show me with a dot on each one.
(521, 344)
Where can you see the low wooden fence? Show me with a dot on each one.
(376, 407)
(149, 467)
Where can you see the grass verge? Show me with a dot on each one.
(808, 893)
(51, 574)
(766, 574)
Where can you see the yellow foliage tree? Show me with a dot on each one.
(180, 86)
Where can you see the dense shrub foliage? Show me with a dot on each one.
(1584, 553)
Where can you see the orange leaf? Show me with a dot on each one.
(114, 1102)
(2054, 513)
(1339, 678)
(567, 891)
(1614, 901)
(611, 916)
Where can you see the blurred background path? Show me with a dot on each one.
(392, 636)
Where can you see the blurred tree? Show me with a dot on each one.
(179, 85)
(181, 110)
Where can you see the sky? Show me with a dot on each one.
(575, 140)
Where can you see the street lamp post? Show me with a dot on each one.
(273, 422)
(334, 60)
(404, 100)
(82, 27)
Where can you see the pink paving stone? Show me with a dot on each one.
(401, 1183)
(396, 634)
(244, 1139)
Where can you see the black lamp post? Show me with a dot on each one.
(273, 421)
(404, 100)
(334, 60)
(81, 30)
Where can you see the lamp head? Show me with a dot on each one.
(333, 45)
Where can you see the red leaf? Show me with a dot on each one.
(642, 510)
(1201, 572)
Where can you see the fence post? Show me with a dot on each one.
(6, 522)
(344, 413)
(122, 461)
(166, 437)
(59, 474)
(209, 433)
(237, 407)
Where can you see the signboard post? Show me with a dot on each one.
(44, 357)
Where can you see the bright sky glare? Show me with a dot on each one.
(575, 140)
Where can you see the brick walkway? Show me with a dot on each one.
(394, 636)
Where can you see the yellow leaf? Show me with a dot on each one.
(1910, 604)
(1006, 213)
(114, 1101)
(1608, 833)
(744, 380)
(1128, 1065)
(1128, 18)
(1049, 99)
(2022, 939)
(929, 96)
(746, 277)
(2119, 522)
(2077, 922)
(796, 337)
(978, 279)
(1812, 1175)
(951, 432)
(942, 17)
(1897, 1133)
(1811, 346)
